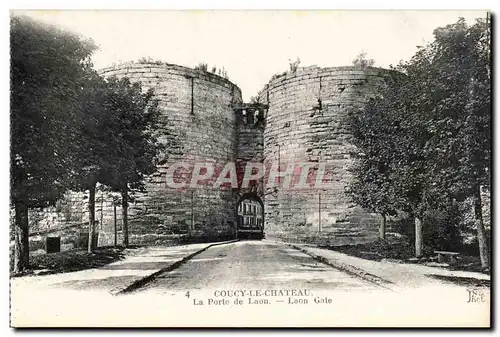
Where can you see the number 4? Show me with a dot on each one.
(187, 294)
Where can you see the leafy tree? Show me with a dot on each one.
(294, 65)
(135, 149)
(201, 66)
(362, 62)
(389, 173)
(96, 140)
(47, 68)
(223, 73)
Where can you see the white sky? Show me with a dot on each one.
(254, 45)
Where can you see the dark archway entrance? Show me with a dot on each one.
(250, 217)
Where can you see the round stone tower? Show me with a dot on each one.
(305, 124)
(198, 125)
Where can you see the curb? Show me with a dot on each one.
(146, 279)
(349, 269)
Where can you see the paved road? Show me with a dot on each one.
(252, 264)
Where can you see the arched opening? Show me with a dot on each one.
(250, 217)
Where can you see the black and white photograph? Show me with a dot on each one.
(250, 168)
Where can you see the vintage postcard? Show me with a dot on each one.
(215, 168)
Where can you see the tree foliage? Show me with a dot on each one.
(117, 145)
(135, 146)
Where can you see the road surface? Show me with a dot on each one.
(255, 264)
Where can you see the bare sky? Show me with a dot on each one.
(254, 45)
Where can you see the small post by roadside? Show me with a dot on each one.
(191, 227)
(116, 202)
(114, 218)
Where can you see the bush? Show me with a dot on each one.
(442, 229)
(362, 62)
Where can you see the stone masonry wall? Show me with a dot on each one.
(197, 124)
(305, 124)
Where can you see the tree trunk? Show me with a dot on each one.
(191, 225)
(91, 245)
(418, 237)
(125, 216)
(382, 227)
(481, 233)
(21, 237)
